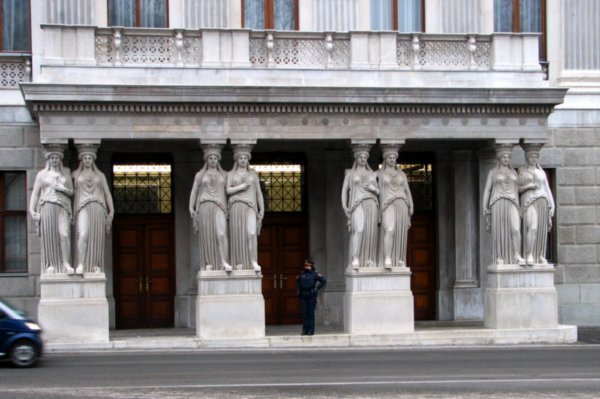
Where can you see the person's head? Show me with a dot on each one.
(309, 265)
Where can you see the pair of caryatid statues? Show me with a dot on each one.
(378, 206)
(511, 198)
(227, 209)
(60, 198)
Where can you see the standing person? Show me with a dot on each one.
(501, 209)
(246, 211)
(361, 205)
(50, 208)
(308, 284)
(94, 212)
(208, 208)
(537, 206)
(396, 209)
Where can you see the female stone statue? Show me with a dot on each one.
(537, 207)
(208, 208)
(501, 204)
(94, 211)
(246, 211)
(396, 209)
(359, 200)
(50, 207)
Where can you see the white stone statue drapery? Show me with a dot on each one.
(93, 213)
(246, 210)
(208, 208)
(50, 208)
(537, 206)
(396, 206)
(361, 205)
(501, 209)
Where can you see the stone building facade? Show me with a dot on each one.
(302, 98)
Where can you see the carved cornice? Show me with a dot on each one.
(333, 109)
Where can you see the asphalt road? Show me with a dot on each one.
(571, 371)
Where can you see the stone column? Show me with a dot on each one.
(73, 307)
(378, 299)
(230, 304)
(467, 294)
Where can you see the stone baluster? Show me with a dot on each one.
(416, 47)
(270, 46)
(328, 48)
(117, 44)
(472, 47)
(179, 47)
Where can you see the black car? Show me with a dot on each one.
(20, 338)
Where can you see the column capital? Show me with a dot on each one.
(90, 146)
(54, 148)
(531, 146)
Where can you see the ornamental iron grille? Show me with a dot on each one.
(282, 186)
(420, 180)
(142, 188)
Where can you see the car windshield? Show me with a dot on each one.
(11, 310)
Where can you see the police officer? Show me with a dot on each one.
(308, 284)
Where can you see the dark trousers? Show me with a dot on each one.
(308, 303)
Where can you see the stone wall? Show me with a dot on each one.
(20, 151)
(577, 274)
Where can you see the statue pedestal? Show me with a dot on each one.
(520, 297)
(378, 301)
(230, 305)
(73, 308)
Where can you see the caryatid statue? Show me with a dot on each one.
(395, 201)
(537, 206)
(208, 208)
(246, 210)
(501, 209)
(361, 205)
(50, 208)
(93, 211)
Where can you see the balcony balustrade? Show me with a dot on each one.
(221, 48)
(14, 69)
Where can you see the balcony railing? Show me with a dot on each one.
(221, 48)
(14, 69)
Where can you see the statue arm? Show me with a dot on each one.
(194, 195)
(230, 190)
(487, 191)
(522, 186)
(345, 189)
(35, 197)
(260, 200)
(67, 189)
(110, 206)
(549, 196)
(411, 206)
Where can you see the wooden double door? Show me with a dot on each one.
(143, 256)
(282, 249)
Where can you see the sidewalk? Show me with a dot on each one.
(288, 337)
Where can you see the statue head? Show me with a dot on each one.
(387, 151)
(532, 153)
(211, 150)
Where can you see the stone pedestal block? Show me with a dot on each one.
(230, 305)
(520, 297)
(74, 309)
(378, 301)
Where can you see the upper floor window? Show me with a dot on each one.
(16, 32)
(13, 222)
(270, 14)
(138, 13)
(522, 16)
(399, 15)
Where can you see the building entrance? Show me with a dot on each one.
(143, 245)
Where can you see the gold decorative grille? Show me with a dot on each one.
(282, 186)
(420, 180)
(142, 188)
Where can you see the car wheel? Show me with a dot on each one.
(23, 354)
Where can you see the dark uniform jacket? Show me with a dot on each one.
(309, 283)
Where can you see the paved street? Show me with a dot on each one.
(493, 372)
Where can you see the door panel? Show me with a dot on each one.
(282, 249)
(421, 260)
(144, 271)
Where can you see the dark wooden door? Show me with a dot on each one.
(143, 253)
(421, 259)
(282, 249)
